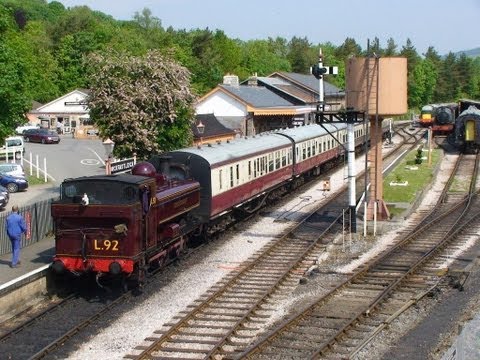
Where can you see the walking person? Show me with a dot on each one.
(15, 226)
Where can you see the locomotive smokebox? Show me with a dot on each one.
(377, 85)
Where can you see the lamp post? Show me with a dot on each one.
(108, 144)
(201, 130)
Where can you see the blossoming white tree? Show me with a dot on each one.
(143, 103)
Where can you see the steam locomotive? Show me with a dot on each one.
(124, 224)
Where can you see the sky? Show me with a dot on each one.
(447, 25)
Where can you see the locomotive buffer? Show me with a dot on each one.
(350, 117)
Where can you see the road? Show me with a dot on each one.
(69, 158)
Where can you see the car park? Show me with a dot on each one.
(12, 169)
(13, 183)
(21, 129)
(43, 136)
(4, 197)
(12, 148)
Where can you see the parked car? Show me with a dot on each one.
(13, 183)
(21, 129)
(12, 169)
(4, 197)
(14, 147)
(43, 136)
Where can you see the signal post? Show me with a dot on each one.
(350, 117)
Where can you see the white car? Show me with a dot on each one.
(13, 147)
(12, 169)
(19, 130)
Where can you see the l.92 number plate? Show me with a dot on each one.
(107, 245)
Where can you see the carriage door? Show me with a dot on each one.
(470, 130)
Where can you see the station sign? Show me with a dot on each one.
(122, 166)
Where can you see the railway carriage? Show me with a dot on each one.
(467, 130)
(123, 224)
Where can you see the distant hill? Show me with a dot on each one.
(470, 53)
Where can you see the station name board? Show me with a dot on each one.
(122, 165)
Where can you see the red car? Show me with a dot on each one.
(43, 136)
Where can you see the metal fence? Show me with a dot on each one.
(38, 219)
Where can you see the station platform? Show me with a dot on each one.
(34, 258)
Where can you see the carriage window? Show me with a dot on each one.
(238, 173)
(231, 176)
(277, 160)
(220, 179)
(309, 149)
(270, 162)
(284, 158)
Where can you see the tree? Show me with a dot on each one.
(348, 49)
(465, 81)
(446, 89)
(301, 55)
(409, 51)
(143, 103)
(14, 101)
(146, 20)
(391, 49)
(422, 86)
(259, 57)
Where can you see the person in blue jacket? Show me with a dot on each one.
(15, 226)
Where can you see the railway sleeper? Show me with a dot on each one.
(187, 333)
(366, 287)
(198, 324)
(158, 354)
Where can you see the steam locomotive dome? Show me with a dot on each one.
(444, 115)
(144, 169)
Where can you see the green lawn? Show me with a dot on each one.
(417, 179)
(33, 180)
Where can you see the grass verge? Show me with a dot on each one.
(406, 182)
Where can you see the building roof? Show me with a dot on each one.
(307, 81)
(75, 100)
(260, 100)
(256, 96)
(212, 127)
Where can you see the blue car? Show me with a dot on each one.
(13, 183)
(4, 197)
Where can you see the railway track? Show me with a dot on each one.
(288, 263)
(240, 306)
(341, 323)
